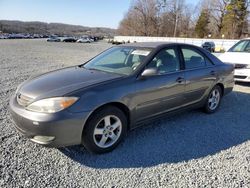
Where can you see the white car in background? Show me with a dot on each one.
(84, 40)
(239, 55)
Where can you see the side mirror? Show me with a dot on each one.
(149, 72)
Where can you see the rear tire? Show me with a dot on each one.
(213, 100)
(104, 130)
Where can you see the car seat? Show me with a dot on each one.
(166, 63)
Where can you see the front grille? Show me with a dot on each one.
(240, 77)
(240, 66)
(23, 100)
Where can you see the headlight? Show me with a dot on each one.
(52, 105)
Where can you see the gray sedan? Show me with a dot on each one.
(96, 103)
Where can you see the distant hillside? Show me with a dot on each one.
(7, 26)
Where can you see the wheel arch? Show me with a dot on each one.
(118, 105)
(222, 87)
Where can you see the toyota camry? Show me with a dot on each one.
(96, 103)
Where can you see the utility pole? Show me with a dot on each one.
(176, 7)
(176, 24)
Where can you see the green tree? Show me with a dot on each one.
(235, 18)
(201, 27)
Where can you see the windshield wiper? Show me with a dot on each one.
(82, 66)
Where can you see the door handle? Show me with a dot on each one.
(212, 72)
(180, 79)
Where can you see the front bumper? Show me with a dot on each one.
(54, 130)
(242, 75)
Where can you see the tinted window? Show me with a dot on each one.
(241, 46)
(193, 59)
(165, 61)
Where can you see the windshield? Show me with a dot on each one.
(120, 60)
(241, 46)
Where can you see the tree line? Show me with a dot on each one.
(7, 26)
(176, 18)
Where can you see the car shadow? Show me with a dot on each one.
(182, 137)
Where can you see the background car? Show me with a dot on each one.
(84, 40)
(69, 39)
(239, 55)
(96, 103)
(210, 46)
(53, 39)
(16, 36)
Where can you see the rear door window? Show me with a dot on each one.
(193, 59)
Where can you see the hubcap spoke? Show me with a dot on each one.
(116, 125)
(103, 140)
(214, 93)
(113, 136)
(107, 121)
(210, 100)
(98, 131)
(214, 105)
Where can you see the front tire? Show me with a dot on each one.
(104, 130)
(213, 100)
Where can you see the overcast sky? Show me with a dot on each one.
(93, 13)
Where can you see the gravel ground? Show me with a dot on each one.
(188, 150)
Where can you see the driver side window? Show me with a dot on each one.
(166, 61)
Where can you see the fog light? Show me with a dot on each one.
(42, 139)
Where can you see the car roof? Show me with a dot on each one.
(151, 44)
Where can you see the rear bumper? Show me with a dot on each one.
(242, 75)
(61, 129)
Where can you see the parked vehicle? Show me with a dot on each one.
(53, 39)
(84, 40)
(16, 36)
(117, 42)
(239, 56)
(97, 102)
(69, 39)
(3, 37)
(210, 46)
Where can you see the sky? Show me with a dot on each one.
(93, 13)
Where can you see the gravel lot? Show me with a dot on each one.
(188, 150)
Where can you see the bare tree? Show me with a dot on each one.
(141, 19)
(157, 18)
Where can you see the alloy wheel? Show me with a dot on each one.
(107, 131)
(214, 99)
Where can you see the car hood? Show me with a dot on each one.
(63, 81)
(235, 57)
